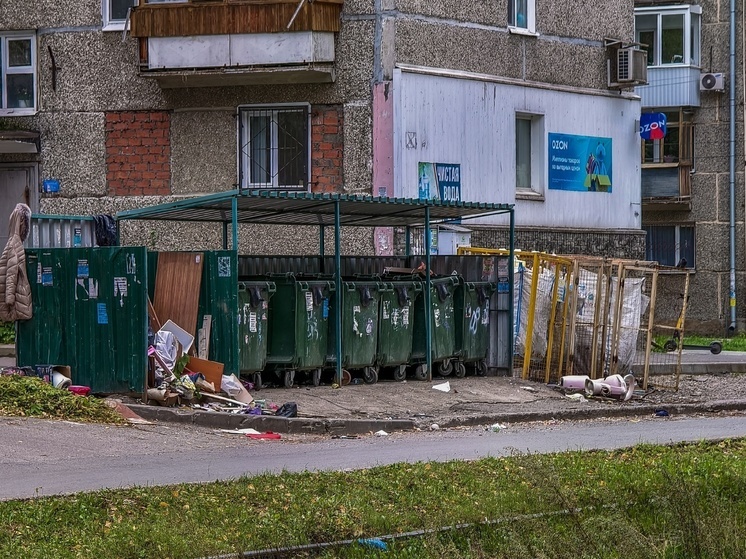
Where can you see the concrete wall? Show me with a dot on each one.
(472, 122)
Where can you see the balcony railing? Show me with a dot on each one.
(219, 17)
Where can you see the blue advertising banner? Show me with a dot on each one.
(439, 181)
(579, 163)
(653, 126)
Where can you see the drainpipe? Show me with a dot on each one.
(732, 166)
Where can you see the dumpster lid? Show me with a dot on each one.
(305, 208)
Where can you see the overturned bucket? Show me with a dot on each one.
(60, 381)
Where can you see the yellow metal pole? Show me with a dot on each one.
(681, 331)
(531, 310)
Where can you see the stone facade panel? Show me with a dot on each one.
(40, 14)
(358, 153)
(566, 64)
(574, 18)
(204, 149)
(484, 13)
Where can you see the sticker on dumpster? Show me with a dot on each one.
(103, 315)
(325, 308)
(474, 322)
(46, 276)
(252, 322)
(309, 301)
(38, 273)
(386, 307)
(92, 288)
(120, 287)
(77, 237)
(83, 269)
(369, 326)
(224, 266)
(405, 316)
(485, 315)
(131, 264)
(436, 315)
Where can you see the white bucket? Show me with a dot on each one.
(60, 381)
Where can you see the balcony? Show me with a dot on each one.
(207, 43)
(670, 86)
(666, 187)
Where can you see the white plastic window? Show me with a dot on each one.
(18, 54)
(522, 15)
(671, 33)
(115, 13)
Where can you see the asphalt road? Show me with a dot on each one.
(39, 458)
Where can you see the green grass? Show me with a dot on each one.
(7, 333)
(736, 343)
(32, 397)
(679, 502)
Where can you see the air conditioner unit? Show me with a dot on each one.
(631, 66)
(711, 82)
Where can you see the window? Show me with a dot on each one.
(668, 163)
(529, 154)
(115, 13)
(670, 245)
(18, 54)
(274, 147)
(522, 15)
(671, 33)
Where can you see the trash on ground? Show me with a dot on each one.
(577, 397)
(248, 431)
(614, 386)
(496, 427)
(574, 382)
(434, 427)
(344, 437)
(661, 413)
(268, 436)
(529, 388)
(289, 409)
(443, 387)
(79, 390)
(381, 433)
(375, 543)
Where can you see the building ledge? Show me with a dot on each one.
(667, 204)
(217, 77)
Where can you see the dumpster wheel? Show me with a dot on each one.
(289, 378)
(460, 370)
(316, 377)
(400, 373)
(257, 381)
(445, 368)
(370, 375)
(480, 368)
(420, 373)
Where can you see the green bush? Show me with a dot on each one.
(7, 333)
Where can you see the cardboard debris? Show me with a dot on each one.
(444, 387)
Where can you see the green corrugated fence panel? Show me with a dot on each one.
(90, 313)
(219, 298)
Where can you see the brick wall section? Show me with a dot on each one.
(327, 148)
(138, 153)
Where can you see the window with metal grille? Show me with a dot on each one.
(670, 245)
(274, 144)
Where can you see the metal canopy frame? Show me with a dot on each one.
(328, 210)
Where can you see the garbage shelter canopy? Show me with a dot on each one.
(304, 208)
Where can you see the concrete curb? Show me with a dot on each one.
(7, 350)
(301, 425)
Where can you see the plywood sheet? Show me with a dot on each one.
(177, 285)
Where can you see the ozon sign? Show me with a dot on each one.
(652, 126)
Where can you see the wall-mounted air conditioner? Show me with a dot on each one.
(632, 65)
(711, 82)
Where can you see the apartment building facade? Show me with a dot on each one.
(114, 104)
(692, 184)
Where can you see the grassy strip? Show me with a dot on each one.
(32, 397)
(675, 502)
(736, 343)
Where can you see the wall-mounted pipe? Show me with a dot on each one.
(732, 165)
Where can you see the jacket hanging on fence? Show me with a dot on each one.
(15, 290)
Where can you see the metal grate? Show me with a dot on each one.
(274, 148)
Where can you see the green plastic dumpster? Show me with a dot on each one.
(396, 326)
(360, 325)
(442, 327)
(298, 326)
(472, 308)
(253, 329)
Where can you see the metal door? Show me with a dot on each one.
(15, 186)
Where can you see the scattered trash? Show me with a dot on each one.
(381, 433)
(615, 386)
(578, 397)
(529, 389)
(375, 543)
(496, 427)
(233, 387)
(444, 387)
(240, 431)
(661, 413)
(345, 437)
(268, 436)
(435, 427)
(288, 410)
(79, 390)
(574, 382)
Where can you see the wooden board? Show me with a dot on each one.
(212, 371)
(177, 285)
